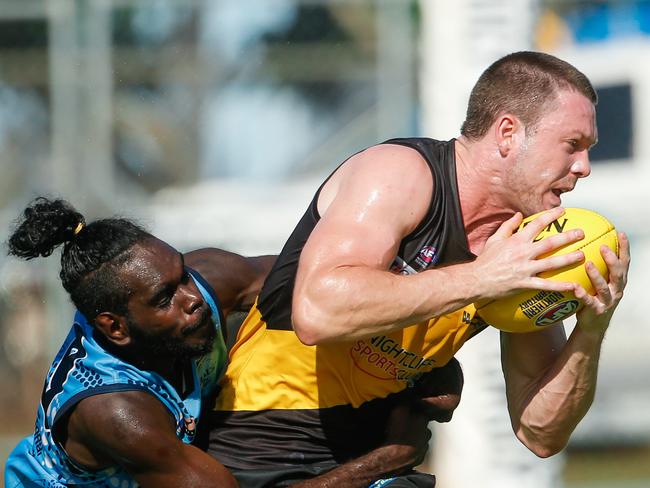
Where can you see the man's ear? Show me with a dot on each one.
(506, 133)
(114, 328)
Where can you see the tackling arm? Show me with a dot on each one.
(434, 398)
(135, 431)
(236, 279)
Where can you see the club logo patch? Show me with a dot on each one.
(557, 312)
(426, 257)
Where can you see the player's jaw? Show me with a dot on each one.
(188, 340)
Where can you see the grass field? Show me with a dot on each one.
(602, 468)
(611, 468)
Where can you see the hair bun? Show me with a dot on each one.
(45, 224)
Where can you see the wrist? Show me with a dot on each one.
(479, 288)
(591, 332)
(398, 457)
(465, 279)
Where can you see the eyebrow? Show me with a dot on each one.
(583, 137)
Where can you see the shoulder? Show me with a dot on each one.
(390, 171)
(122, 414)
(120, 427)
(387, 183)
(386, 160)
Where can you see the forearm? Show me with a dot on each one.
(546, 413)
(237, 280)
(358, 302)
(383, 462)
(434, 398)
(260, 267)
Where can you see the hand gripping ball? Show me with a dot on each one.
(531, 310)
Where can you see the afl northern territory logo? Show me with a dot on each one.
(426, 257)
(557, 312)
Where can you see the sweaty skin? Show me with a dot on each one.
(380, 195)
(121, 428)
(134, 430)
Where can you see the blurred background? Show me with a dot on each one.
(213, 122)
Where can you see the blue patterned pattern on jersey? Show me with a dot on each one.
(82, 368)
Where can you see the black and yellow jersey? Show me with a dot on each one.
(284, 403)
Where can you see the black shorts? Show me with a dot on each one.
(278, 477)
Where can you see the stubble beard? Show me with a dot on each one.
(161, 346)
(525, 200)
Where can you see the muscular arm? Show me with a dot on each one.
(236, 279)
(135, 431)
(551, 381)
(383, 462)
(378, 198)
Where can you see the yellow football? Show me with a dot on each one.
(534, 309)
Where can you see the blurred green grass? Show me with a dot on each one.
(611, 467)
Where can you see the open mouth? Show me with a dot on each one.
(561, 190)
(558, 192)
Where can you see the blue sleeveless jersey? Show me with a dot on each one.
(82, 368)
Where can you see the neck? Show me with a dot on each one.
(479, 186)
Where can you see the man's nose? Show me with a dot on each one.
(582, 165)
(193, 300)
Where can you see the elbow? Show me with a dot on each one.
(546, 450)
(307, 319)
(317, 312)
(306, 334)
(543, 446)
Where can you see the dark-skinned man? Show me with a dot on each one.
(122, 400)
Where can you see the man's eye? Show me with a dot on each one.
(185, 277)
(165, 301)
(573, 145)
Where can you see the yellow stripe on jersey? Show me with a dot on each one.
(272, 369)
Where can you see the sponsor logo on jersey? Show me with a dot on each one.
(382, 357)
(557, 313)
